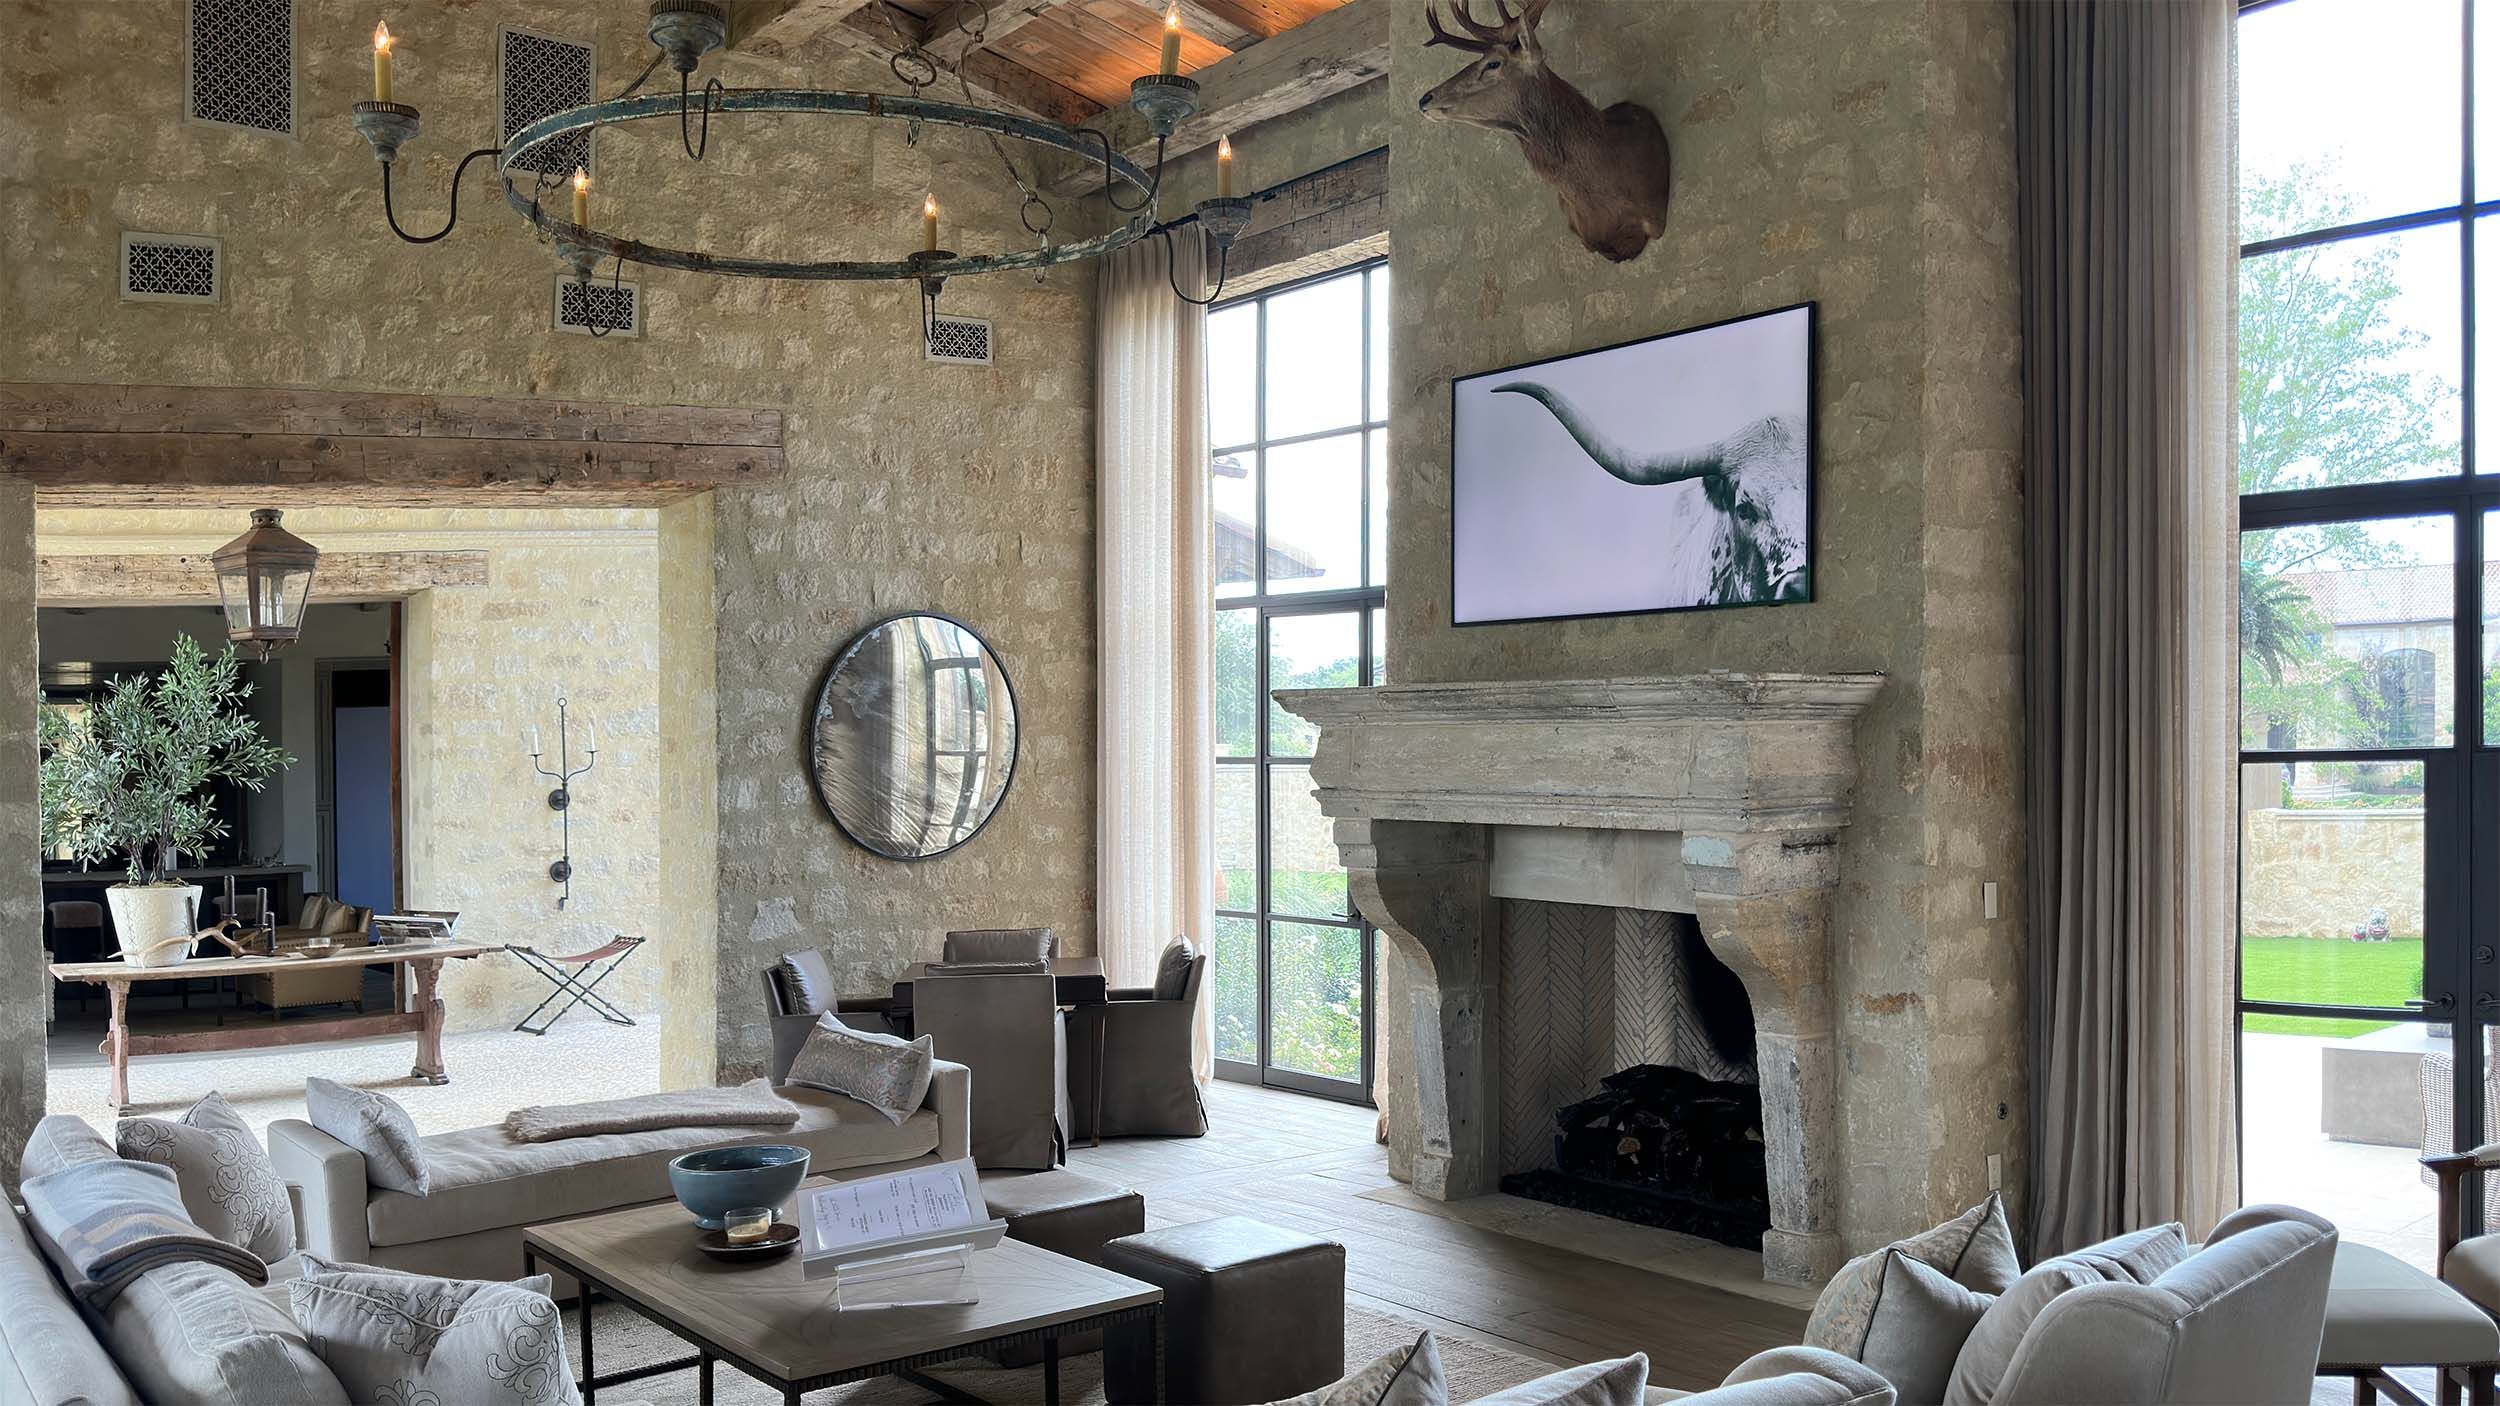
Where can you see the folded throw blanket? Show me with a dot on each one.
(104, 1224)
(752, 1104)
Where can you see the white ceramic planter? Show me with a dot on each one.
(144, 917)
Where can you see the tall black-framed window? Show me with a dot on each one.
(1298, 410)
(2369, 923)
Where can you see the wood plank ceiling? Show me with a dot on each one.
(1067, 60)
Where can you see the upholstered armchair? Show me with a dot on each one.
(1149, 1082)
(1005, 1027)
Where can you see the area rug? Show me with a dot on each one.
(625, 1339)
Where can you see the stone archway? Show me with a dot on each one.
(114, 446)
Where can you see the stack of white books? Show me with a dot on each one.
(898, 1239)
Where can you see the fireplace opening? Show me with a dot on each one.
(1672, 1137)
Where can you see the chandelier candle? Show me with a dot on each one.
(1224, 167)
(928, 224)
(581, 196)
(381, 62)
(1172, 40)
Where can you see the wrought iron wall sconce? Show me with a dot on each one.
(560, 800)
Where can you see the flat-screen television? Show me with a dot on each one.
(1671, 473)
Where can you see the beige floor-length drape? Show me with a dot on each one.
(2127, 231)
(1154, 834)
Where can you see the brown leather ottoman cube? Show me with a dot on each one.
(1065, 1214)
(1251, 1313)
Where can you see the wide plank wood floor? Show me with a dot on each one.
(1304, 1162)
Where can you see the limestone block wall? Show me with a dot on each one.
(22, 977)
(908, 485)
(1857, 154)
(2320, 873)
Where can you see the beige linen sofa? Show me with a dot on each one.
(486, 1187)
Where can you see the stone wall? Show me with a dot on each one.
(1858, 155)
(22, 977)
(571, 604)
(909, 485)
(2319, 873)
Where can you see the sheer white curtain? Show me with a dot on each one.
(1154, 838)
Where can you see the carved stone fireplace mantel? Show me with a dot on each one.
(1753, 773)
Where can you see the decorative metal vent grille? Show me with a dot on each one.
(538, 74)
(965, 341)
(242, 64)
(169, 268)
(615, 307)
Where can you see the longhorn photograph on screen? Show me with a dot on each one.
(1671, 473)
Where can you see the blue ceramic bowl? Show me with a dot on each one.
(717, 1180)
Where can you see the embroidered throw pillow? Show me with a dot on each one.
(1172, 973)
(228, 1184)
(1974, 1249)
(2139, 1257)
(411, 1337)
(888, 1074)
(373, 1124)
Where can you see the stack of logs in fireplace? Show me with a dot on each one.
(1663, 1146)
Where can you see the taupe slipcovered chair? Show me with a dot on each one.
(1000, 945)
(1006, 1029)
(1149, 1083)
(2238, 1321)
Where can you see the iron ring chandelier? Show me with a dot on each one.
(684, 30)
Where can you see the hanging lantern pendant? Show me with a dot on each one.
(264, 579)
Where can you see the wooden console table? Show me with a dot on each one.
(424, 964)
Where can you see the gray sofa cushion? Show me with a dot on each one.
(484, 1179)
(2139, 1257)
(48, 1355)
(196, 1332)
(375, 1125)
(1921, 1321)
(1617, 1382)
(1974, 1249)
(408, 1338)
(2380, 1309)
(225, 1177)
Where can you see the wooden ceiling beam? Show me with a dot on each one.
(1342, 49)
(950, 41)
(778, 28)
(134, 578)
(1225, 24)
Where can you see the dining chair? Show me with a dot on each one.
(1000, 945)
(1149, 1078)
(1006, 1029)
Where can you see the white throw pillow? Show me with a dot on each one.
(2139, 1257)
(190, 1331)
(227, 1182)
(373, 1124)
(1620, 1381)
(1402, 1376)
(412, 1337)
(1974, 1249)
(888, 1074)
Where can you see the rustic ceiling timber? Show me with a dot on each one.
(131, 578)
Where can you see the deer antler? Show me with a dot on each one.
(1432, 16)
(1464, 12)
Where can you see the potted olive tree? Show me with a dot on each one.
(127, 776)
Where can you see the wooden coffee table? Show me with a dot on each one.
(768, 1322)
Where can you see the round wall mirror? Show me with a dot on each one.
(914, 738)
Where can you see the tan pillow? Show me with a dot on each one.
(316, 909)
(1402, 1376)
(2139, 1257)
(226, 1179)
(1974, 1249)
(342, 919)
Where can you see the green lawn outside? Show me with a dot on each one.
(2327, 972)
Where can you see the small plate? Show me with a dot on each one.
(783, 1238)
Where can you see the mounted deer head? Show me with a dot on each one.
(1610, 168)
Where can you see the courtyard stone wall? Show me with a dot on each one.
(1860, 155)
(2319, 873)
(909, 485)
